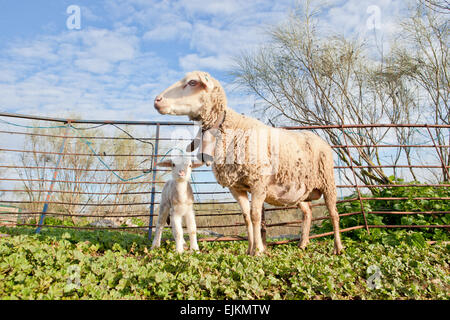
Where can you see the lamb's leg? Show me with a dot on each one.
(192, 229)
(306, 226)
(177, 231)
(163, 214)
(242, 199)
(330, 202)
(258, 198)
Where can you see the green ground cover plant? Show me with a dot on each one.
(61, 264)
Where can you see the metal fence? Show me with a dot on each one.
(70, 173)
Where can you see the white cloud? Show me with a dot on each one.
(95, 65)
(195, 62)
(40, 49)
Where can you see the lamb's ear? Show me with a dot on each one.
(165, 163)
(197, 164)
(206, 80)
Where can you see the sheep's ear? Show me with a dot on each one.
(165, 163)
(206, 80)
(197, 164)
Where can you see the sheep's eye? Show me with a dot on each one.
(192, 83)
(190, 166)
(173, 165)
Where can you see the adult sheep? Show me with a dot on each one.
(275, 166)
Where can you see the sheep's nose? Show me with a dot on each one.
(181, 173)
(158, 98)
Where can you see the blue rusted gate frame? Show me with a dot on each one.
(152, 201)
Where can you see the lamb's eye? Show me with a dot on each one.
(173, 165)
(192, 83)
(190, 166)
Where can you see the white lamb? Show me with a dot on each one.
(178, 200)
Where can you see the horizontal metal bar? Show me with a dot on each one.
(91, 154)
(66, 120)
(409, 212)
(94, 137)
(203, 170)
(81, 215)
(388, 146)
(174, 123)
(392, 185)
(405, 198)
(103, 193)
(104, 204)
(445, 226)
(390, 166)
(80, 203)
(100, 182)
(98, 170)
(214, 182)
(79, 228)
(362, 126)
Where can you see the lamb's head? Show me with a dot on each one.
(197, 95)
(181, 168)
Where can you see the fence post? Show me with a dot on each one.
(152, 201)
(444, 168)
(356, 180)
(52, 184)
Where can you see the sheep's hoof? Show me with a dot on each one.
(303, 245)
(338, 251)
(257, 252)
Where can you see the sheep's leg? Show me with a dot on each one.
(192, 229)
(177, 231)
(242, 199)
(306, 226)
(258, 198)
(163, 214)
(330, 202)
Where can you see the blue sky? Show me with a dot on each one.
(126, 52)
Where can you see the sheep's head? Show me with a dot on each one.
(197, 95)
(181, 168)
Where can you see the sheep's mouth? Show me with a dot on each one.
(162, 109)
